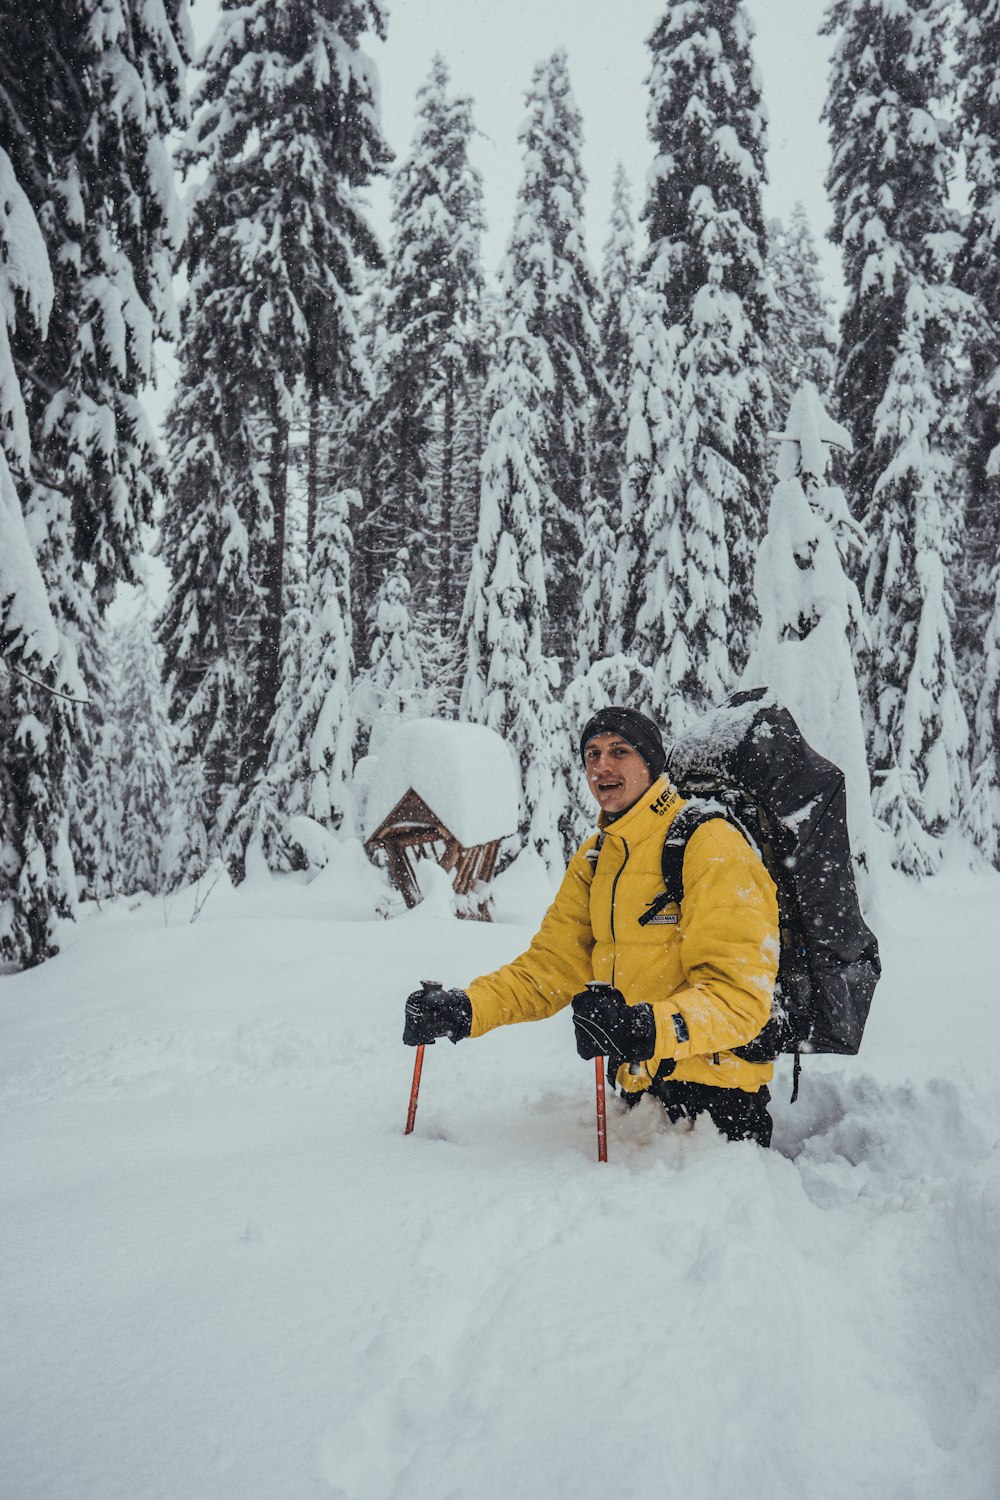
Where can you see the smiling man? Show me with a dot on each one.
(669, 992)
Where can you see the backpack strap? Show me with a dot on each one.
(691, 816)
(593, 855)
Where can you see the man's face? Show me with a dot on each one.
(616, 772)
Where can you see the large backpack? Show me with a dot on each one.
(747, 762)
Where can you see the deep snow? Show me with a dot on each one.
(227, 1274)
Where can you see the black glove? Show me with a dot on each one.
(607, 1026)
(432, 1012)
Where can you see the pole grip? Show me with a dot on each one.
(418, 1067)
(602, 1118)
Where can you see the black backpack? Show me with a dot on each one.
(747, 762)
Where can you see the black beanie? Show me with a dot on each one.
(640, 732)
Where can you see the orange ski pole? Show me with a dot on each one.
(602, 1118)
(418, 1064)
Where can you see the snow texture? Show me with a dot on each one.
(464, 772)
(228, 1274)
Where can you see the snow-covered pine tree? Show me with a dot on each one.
(547, 279)
(315, 732)
(92, 781)
(604, 675)
(700, 402)
(810, 610)
(48, 743)
(429, 353)
(210, 625)
(979, 274)
(36, 869)
(27, 630)
(601, 608)
(508, 679)
(392, 688)
(287, 131)
(893, 157)
(599, 619)
(353, 456)
(144, 762)
(802, 341)
(981, 817)
(95, 168)
(32, 894)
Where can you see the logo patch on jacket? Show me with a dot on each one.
(660, 803)
(663, 918)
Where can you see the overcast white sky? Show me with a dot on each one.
(491, 50)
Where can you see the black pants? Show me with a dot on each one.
(737, 1115)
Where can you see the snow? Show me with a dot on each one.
(464, 772)
(228, 1274)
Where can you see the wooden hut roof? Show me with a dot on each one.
(461, 774)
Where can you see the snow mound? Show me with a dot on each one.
(464, 772)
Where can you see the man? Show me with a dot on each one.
(680, 987)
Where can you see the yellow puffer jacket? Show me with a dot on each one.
(713, 961)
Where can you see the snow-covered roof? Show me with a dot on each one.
(464, 772)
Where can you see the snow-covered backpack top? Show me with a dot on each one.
(747, 762)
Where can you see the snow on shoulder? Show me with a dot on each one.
(464, 772)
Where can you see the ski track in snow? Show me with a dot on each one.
(227, 1274)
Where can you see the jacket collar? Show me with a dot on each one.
(652, 814)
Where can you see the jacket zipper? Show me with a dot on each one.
(614, 887)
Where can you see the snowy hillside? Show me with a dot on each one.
(228, 1276)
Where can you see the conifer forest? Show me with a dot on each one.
(394, 482)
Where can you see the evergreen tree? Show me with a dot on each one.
(287, 131)
(36, 871)
(979, 275)
(429, 352)
(700, 401)
(47, 736)
(393, 686)
(810, 610)
(547, 279)
(602, 597)
(32, 893)
(210, 626)
(597, 629)
(508, 678)
(27, 630)
(892, 161)
(354, 456)
(93, 164)
(314, 742)
(982, 815)
(143, 741)
(802, 342)
(92, 780)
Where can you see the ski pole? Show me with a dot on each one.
(602, 1119)
(418, 1064)
(428, 986)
